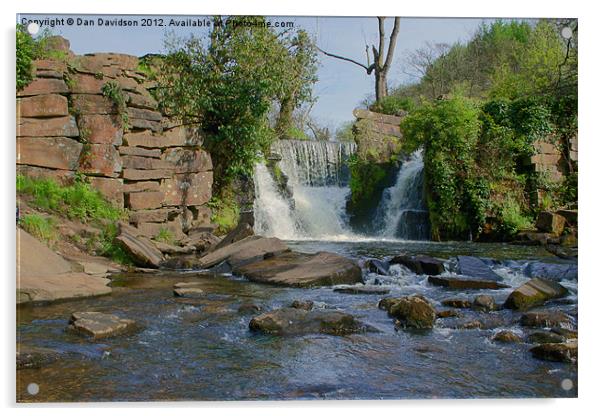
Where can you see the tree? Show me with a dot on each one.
(381, 58)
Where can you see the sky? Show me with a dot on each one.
(341, 86)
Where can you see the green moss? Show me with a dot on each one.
(225, 213)
(39, 226)
(165, 236)
(112, 90)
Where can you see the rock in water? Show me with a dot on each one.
(420, 264)
(476, 268)
(550, 222)
(457, 303)
(411, 311)
(506, 337)
(483, 303)
(545, 337)
(142, 250)
(362, 290)
(306, 305)
(465, 283)
(533, 293)
(302, 270)
(99, 325)
(188, 292)
(553, 319)
(242, 231)
(552, 271)
(35, 357)
(564, 352)
(254, 246)
(291, 321)
(377, 266)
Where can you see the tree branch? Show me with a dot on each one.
(368, 69)
(392, 43)
(381, 42)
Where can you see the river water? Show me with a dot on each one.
(202, 349)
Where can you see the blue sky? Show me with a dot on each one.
(341, 87)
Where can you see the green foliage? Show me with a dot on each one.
(165, 235)
(345, 132)
(109, 248)
(27, 50)
(112, 90)
(227, 84)
(77, 201)
(39, 226)
(449, 131)
(225, 213)
(365, 179)
(393, 105)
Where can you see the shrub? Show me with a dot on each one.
(112, 90)
(225, 213)
(392, 105)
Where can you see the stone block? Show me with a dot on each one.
(141, 124)
(141, 186)
(146, 163)
(139, 151)
(550, 222)
(546, 159)
(64, 177)
(44, 86)
(144, 114)
(144, 200)
(45, 105)
(151, 215)
(92, 104)
(49, 152)
(144, 101)
(144, 175)
(50, 65)
(187, 189)
(188, 160)
(101, 160)
(152, 229)
(110, 188)
(101, 129)
(86, 84)
(47, 127)
(175, 137)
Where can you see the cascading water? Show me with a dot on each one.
(402, 209)
(317, 177)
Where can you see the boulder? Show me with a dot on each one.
(565, 332)
(533, 293)
(64, 126)
(291, 321)
(463, 283)
(187, 189)
(476, 268)
(50, 152)
(483, 303)
(45, 105)
(302, 270)
(546, 319)
(412, 311)
(362, 290)
(448, 313)
(456, 303)
(506, 336)
(303, 304)
(420, 264)
(550, 222)
(552, 271)
(248, 309)
(252, 248)
(35, 357)
(100, 159)
(85, 104)
(377, 266)
(41, 86)
(545, 337)
(202, 240)
(171, 249)
(144, 200)
(241, 231)
(570, 215)
(101, 128)
(99, 325)
(143, 250)
(565, 352)
(189, 292)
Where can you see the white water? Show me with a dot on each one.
(402, 208)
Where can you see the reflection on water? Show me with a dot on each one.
(202, 349)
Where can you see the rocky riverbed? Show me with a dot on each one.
(387, 332)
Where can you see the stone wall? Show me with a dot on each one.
(377, 135)
(153, 167)
(549, 160)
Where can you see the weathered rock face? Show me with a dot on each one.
(420, 264)
(565, 352)
(291, 321)
(99, 325)
(533, 293)
(411, 311)
(550, 222)
(464, 283)
(506, 337)
(148, 164)
(302, 270)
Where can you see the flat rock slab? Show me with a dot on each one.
(291, 321)
(35, 357)
(303, 270)
(98, 325)
(142, 249)
(465, 283)
(362, 290)
(222, 254)
(476, 268)
(189, 292)
(533, 293)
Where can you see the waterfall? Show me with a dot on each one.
(317, 176)
(402, 210)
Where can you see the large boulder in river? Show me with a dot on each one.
(463, 283)
(292, 321)
(562, 352)
(552, 271)
(142, 250)
(302, 270)
(99, 325)
(411, 311)
(533, 293)
(476, 268)
(546, 319)
(420, 264)
(243, 251)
